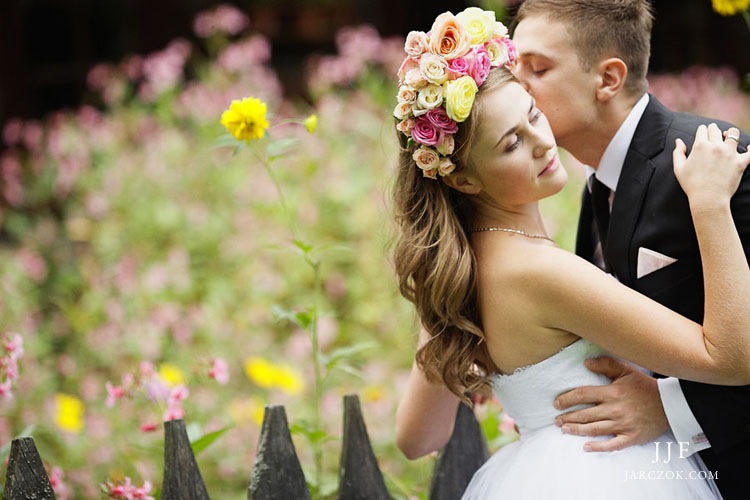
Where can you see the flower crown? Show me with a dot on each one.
(439, 78)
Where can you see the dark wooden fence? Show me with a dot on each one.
(277, 474)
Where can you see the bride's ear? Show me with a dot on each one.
(463, 182)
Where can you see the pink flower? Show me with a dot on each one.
(149, 426)
(416, 44)
(219, 371)
(439, 118)
(480, 65)
(425, 132)
(458, 67)
(62, 491)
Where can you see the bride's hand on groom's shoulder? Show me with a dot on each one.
(629, 409)
(711, 172)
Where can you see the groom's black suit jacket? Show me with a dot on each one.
(650, 210)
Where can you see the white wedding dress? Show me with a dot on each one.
(546, 464)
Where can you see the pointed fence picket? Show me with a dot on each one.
(277, 473)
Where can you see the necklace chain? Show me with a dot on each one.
(509, 230)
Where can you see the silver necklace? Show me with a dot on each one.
(514, 231)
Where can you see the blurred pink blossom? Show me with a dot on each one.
(163, 70)
(12, 351)
(56, 479)
(245, 54)
(33, 264)
(10, 173)
(126, 490)
(13, 131)
(224, 19)
(219, 371)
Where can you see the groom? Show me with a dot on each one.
(585, 63)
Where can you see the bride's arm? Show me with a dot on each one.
(425, 414)
(575, 296)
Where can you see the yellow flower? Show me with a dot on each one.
(246, 119)
(479, 23)
(311, 123)
(730, 7)
(171, 374)
(268, 375)
(69, 412)
(247, 410)
(459, 97)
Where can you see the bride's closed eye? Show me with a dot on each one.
(536, 114)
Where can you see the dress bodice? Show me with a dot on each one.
(527, 393)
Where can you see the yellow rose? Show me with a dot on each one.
(459, 97)
(448, 38)
(480, 24)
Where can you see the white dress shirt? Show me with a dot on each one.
(682, 422)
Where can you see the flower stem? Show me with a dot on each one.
(746, 15)
(317, 369)
(282, 200)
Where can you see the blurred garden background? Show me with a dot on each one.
(150, 269)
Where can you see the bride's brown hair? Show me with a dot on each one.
(435, 264)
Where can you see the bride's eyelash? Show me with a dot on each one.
(534, 118)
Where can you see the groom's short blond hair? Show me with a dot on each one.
(603, 28)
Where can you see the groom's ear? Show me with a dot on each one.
(612, 74)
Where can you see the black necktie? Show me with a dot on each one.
(600, 199)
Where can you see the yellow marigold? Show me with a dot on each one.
(171, 374)
(268, 375)
(68, 412)
(246, 119)
(730, 7)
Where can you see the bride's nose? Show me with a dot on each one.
(543, 143)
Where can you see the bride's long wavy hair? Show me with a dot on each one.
(435, 264)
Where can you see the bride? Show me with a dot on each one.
(503, 308)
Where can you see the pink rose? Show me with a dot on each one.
(406, 65)
(512, 52)
(480, 65)
(458, 67)
(425, 132)
(441, 120)
(448, 38)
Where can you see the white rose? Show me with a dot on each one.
(430, 97)
(434, 68)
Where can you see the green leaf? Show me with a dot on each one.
(277, 149)
(305, 247)
(227, 141)
(340, 354)
(204, 441)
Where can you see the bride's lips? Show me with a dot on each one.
(551, 166)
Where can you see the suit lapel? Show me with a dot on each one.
(637, 171)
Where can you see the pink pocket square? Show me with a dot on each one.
(650, 261)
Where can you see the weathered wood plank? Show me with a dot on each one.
(26, 478)
(277, 473)
(460, 458)
(182, 478)
(359, 475)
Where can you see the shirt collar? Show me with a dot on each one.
(613, 158)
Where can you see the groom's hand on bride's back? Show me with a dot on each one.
(629, 409)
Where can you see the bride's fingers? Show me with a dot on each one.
(679, 154)
(701, 134)
(732, 137)
(714, 133)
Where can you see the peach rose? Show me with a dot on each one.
(448, 38)
(445, 166)
(426, 158)
(416, 44)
